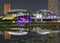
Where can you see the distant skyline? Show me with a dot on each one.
(30, 5)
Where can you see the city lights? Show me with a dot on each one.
(39, 16)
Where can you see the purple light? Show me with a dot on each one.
(24, 19)
(51, 16)
(21, 20)
(22, 25)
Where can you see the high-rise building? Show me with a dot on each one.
(58, 5)
(52, 6)
(6, 8)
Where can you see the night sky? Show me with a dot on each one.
(30, 5)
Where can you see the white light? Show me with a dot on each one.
(39, 16)
(59, 21)
(17, 33)
(44, 32)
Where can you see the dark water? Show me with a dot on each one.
(31, 37)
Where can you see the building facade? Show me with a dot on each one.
(58, 4)
(54, 6)
(6, 8)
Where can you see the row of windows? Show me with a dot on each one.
(51, 0)
(52, 4)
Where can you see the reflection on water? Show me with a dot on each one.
(35, 37)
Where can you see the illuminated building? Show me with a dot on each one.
(58, 4)
(9, 17)
(52, 6)
(12, 18)
(6, 8)
(11, 14)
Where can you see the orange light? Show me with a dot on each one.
(7, 35)
(6, 8)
